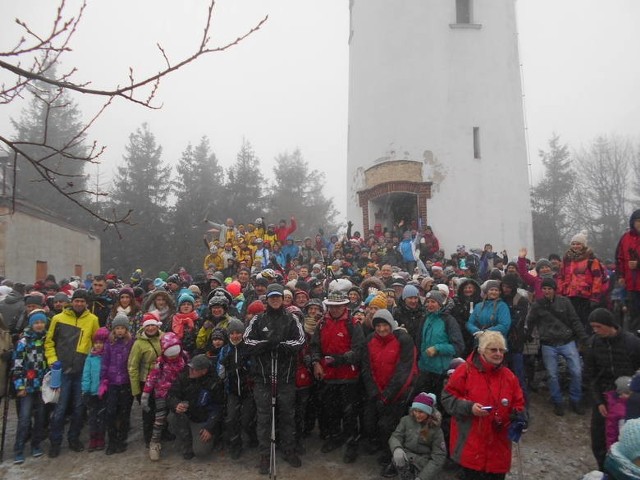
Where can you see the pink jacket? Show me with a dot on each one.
(163, 374)
(616, 412)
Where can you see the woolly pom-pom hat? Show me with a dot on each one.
(437, 296)
(120, 320)
(379, 301)
(580, 238)
(101, 335)
(424, 402)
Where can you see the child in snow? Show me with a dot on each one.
(233, 369)
(90, 386)
(29, 368)
(166, 370)
(142, 358)
(183, 323)
(418, 442)
(616, 409)
(115, 384)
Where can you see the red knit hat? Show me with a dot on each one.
(255, 307)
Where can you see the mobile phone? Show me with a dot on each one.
(487, 408)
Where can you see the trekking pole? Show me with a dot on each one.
(272, 458)
(5, 414)
(520, 469)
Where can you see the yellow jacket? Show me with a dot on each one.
(70, 338)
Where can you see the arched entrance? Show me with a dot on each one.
(390, 202)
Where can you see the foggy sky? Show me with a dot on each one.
(286, 86)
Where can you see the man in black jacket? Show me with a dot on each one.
(611, 353)
(559, 328)
(197, 398)
(273, 338)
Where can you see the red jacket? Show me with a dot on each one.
(581, 277)
(481, 443)
(334, 337)
(389, 366)
(283, 232)
(629, 249)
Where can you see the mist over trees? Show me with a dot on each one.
(170, 205)
(594, 188)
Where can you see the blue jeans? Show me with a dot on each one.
(30, 405)
(70, 393)
(550, 358)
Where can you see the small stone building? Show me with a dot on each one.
(35, 243)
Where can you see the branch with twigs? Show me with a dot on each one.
(43, 53)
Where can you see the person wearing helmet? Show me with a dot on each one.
(165, 371)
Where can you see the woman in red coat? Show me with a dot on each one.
(483, 396)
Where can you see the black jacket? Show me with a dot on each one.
(276, 335)
(204, 394)
(608, 358)
(410, 319)
(557, 321)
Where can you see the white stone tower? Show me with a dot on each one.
(436, 126)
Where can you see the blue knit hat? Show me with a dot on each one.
(37, 316)
(409, 291)
(185, 297)
(629, 441)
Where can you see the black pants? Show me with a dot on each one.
(633, 302)
(475, 475)
(302, 400)
(339, 401)
(582, 307)
(381, 420)
(240, 418)
(96, 413)
(285, 416)
(118, 413)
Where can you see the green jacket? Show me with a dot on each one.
(427, 455)
(142, 358)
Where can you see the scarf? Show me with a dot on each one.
(126, 311)
(180, 320)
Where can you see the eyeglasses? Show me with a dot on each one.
(496, 350)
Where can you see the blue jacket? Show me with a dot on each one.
(91, 374)
(490, 315)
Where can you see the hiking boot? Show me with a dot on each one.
(111, 449)
(578, 408)
(389, 471)
(371, 447)
(154, 451)
(406, 474)
(350, 453)
(235, 453)
(188, 454)
(291, 457)
(264, 464)
(54, 451)
(558, 409)
(331, 443)
(76, 445)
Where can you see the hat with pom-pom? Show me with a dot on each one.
(101, 335)
(580, 238)
(424, 402)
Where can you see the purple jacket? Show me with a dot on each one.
(616, 412)
(114, 362)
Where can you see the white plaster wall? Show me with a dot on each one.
(417, 84)
(28, 239)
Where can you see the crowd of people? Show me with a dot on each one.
(377, 341)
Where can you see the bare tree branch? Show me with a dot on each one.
(43, 54)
